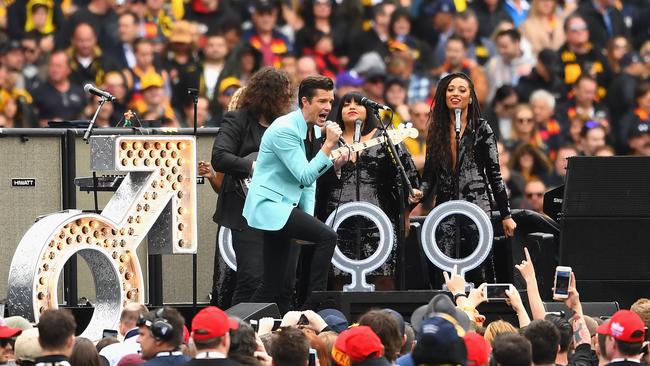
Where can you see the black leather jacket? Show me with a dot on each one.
(478, 164)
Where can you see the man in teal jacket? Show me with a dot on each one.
(281, 198)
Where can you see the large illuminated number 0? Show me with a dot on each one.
(157, 198)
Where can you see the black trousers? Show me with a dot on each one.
(277, 258)
(248, 245)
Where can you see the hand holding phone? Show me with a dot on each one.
(561, 284)
(496, 291)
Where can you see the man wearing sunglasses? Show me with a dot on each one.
(534, 193)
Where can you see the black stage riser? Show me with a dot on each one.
(624, 292)
(354, 304)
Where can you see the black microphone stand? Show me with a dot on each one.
(91, 125)
(195, 93)
(457, 188)
(358, 197)
(401, 181)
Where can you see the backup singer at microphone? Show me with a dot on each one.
(371, 177)
(281, 198)
(476, 166)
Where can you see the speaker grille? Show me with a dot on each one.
(39, 158)
(607, 187)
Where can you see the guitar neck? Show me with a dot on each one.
(396, 136)
(359, 146)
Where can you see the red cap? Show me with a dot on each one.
(186, 334)
(478, 349)
(624, 326)
(356, 344)
(211, 322)
(6, 332)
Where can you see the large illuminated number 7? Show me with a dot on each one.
(157, 197)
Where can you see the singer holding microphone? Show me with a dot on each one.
(368, 176)
(472, 174)
(281, 198)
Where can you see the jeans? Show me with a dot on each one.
(277, 258)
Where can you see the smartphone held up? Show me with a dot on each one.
(561, 284)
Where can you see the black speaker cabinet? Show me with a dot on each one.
(254, 311)
(601, 248)
(606, 227)
(614, 186)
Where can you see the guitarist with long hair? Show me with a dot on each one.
(266, 96)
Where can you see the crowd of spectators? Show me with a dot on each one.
(449, 330)
(556, 76)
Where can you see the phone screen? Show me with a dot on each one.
(109, 333)
(312, 357)
(496, 292)
(562, 282)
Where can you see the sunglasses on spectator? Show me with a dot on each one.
(524, 120)
(420, 113)
(509, 106)
(29, 49)
(578, 28)
(534, 194)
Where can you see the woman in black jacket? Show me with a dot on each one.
(476, 168)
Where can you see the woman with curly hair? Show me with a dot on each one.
(266, 97)
(469, 171)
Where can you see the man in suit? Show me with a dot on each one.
(281, 198)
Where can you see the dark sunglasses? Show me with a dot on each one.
(534, 194)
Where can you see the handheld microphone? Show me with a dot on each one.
(457, 112)
(374, 105)
(341, 140)
(90, 88)
(357, 131)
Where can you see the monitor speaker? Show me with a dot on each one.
(254, 311)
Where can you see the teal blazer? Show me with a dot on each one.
(283, 178)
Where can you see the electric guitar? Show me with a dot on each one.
(397, 136)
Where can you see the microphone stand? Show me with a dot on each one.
(457, 174)
(195, 93)
(401, 181)
(91, 125)
(358, 197)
